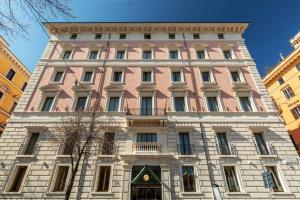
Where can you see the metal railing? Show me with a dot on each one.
(146, 111)
(107, 149)
(146, 147)
(227, 151)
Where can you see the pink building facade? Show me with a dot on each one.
(184, 104)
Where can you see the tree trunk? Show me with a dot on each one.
(71, 183)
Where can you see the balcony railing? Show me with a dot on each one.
(107, 149)
(229, 150)
(146, 147)
(146, 111)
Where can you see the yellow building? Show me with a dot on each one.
(283, 84)
(13, 81)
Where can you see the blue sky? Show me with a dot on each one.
(273, 22)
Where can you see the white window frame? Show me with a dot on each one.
(251, 100)
(178, 53)
(114, 94)
(280, 176)
(81, 94)
(238, 175)
(263, 132)
(211, 75)
(56, 69)
(87, 69)
(27, 139)
(63, 53)
(241, 76)
(112, 76)
(233, 56)
(181, 76)
(152, 76)
(186, 100)
(54, 177)
(298, 109)
(90, 51)
(96, 179)
(196, 178)
(147, 49)
(44, 96)
(121, 49)
(288, 92)
(218, 97)
(206, 56)
(12, 176)
(230, 144)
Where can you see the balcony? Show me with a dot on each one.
(227, 151)
(146, 111)
(150, 117)
(146, 147)
(270, 153)
(107, 150)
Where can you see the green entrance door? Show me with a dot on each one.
(146, 183)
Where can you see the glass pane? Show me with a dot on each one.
(58, 76)
(146, 106)
(103, 179)
(117, 77)
(67, 55)
(87, 76)
(200, 55)
(18, 179)
(146, 137)
(188, 179)
(80, 104)
(212, 104)
(277, 187)
(176, 76)
(235, 77)
(120, 54)
(179, 104)
(146, 76)
(227, 54)
(231, 179)
(205, 77)
(262, 147)
(113, 104)
(185, 148)
(173, 55)
(31, 144)
(245, 104)
(94, 55)
(61, 178)
(108, 144)
(223, 144)
(47, 104)
(147, 54)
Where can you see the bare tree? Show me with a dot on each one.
(14, 14)
(79, 133)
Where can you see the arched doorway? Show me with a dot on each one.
(146, 183)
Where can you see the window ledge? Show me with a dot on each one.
(227, 156)
(56, 193)
(186, 156)
(24, 156)
(12, 193)
(193, 195)
(55, 83)
(282, 194)
(106, 156)
(178, 83)
(116, 83)
(236, 193)
(86, 83)
(102, 194)
(267, 156)
(62, 156)
(147, 83)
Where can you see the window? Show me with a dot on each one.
(146, 108)
(113, 104)
(179, 104)
(176, 76)
(212, 103)
(147, 76)
(205, 75)
(81, 103)
(147, 55)
(146, 137)
(94, 55)
(298, 67)
(103, 179)
(261, 144)
(87, 76)
(184, 142)
(296, 112)
(10, 75)
(220, 36)
(98, 36)
(196, 36)
(223, 144)
(235, 76)
(67, 55)
(58, 76)
(13, 107)
(231, 179)
(245, 104)
(200, 54)
(18, 179)
(73, 36)
(120, 55)
(68, 147)
(188, 178)
(171, 36)
(147, 36)
(61, 179)
(277, 187)
(108, 144)
(227, 54)
(1, 95)
(48, 102)
(122, 36)
(288, 92)
(281, 81)
(24, 86)
(31, 145)
(117, 77)
(173, 54)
